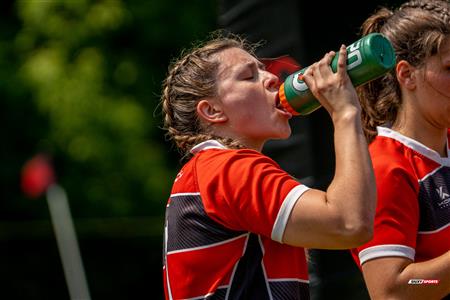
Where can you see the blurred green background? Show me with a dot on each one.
(80, 81)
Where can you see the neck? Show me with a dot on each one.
(258, 146)
(244, 141)
(422, 131)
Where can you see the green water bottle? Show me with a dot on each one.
(368, 58)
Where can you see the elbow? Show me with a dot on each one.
(357, 234)
(359, 228)
(363, 233)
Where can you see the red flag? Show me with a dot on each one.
(37, 176)
(282, 66)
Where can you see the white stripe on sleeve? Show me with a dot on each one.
(385, 251)
(285, 211)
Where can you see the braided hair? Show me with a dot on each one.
(190, 78)
(417, 29)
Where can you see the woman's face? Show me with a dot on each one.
(434, 88)
(248, 95)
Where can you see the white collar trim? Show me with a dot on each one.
(209, 144)
(415, 145)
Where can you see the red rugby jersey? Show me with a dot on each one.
(413, 211)
(225, 219)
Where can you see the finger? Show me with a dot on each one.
(325, 62)
(308, 76)
(342, 59)
(324, 66)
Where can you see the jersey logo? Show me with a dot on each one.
(444, 197)
(179, 176)
(434, 200)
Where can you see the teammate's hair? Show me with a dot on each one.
(190, 78)
(416, 30)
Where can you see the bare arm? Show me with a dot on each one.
(388, 277)
(342, 217)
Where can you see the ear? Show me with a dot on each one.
(211, 112)
(406, 74)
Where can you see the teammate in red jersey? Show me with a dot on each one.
(236, 223)
(406, 117)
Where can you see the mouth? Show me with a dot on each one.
(278, 102)
(281, 108)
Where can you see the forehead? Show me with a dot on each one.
(232, 59)
(442, 57)
(445, 47)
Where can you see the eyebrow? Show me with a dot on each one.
(261, 65)
(250, 64)
(242, 67)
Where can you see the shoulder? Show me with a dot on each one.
(389, 154)
(239, 168)
(239, 158)
(392, 162)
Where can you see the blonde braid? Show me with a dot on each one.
(438, 7)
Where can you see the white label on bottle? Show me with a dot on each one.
(354, 51)
(299, 85)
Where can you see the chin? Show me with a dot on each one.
(287, 132)
(284, 135)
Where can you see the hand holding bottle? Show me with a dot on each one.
(367, 59)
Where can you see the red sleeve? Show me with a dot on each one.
(247, 191)
(397, 213)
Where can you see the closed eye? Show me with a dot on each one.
(251, 70)
(248, 74)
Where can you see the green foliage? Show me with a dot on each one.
(90, 73)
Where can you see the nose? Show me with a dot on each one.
(272, 81)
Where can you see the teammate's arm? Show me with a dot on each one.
(389, 278)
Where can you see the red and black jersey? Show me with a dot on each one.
(225, 219)
(413, 211)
